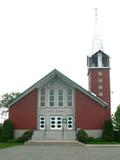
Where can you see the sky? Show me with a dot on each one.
(39, 36)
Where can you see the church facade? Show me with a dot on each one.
(55, 107)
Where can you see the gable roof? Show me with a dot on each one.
(56, 74)
(99, 52)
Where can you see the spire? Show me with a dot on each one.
(97, 40)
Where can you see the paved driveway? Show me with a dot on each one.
(60, 153)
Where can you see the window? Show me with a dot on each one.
(100, 80)
(69, 97)
(56, 122)
(100, 73)
(51, 98)
(42, 97)
(100, 87)
(60, 97)
(100, 94)
(70, 122)
(42, 122)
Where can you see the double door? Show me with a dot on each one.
(56, 123)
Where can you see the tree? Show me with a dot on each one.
(108, 133)
(116, 119)
(7, 98)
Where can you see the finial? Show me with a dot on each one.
(96, 10)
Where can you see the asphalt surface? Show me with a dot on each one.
(60, 153)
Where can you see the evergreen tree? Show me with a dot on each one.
(116, 119)
(108, 133)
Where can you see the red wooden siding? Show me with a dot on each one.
(89, 114)
(93, 83)
(24, 112)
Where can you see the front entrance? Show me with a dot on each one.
(55, 122)
(55, 127)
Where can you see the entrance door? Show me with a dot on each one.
(56, 122)
(69, 122)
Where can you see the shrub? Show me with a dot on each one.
(117, 136)
(25, 137)
(0, 131)
(7, 132)
(82, 136)
(108, 134)
(91, 139)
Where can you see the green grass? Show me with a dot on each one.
(7, 145)
(103, 142)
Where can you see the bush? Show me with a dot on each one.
(25, 137)
(108, 134)
(0, 131)
(117, 136)
(91, 139)
(82, 136)
(7, 132)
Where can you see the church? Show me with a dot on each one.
(56, 107)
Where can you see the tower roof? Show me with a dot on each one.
(97, 37)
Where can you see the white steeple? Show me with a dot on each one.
(97, 39)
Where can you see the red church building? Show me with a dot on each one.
(56, 107)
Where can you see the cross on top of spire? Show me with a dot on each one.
(97, 40)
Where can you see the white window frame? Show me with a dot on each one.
(100, 73)
(70, 128)
(68, 96)
(42, 95)
(100, 80)
(40, 124)
(100, 87)
(56, 122)
(100, 93)
(60, 95)
(49, 96)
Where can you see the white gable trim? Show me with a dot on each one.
(56, 74)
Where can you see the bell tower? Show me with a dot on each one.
(99, 67)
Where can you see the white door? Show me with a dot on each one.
(56, 122)
(42, 122)
(70, 122)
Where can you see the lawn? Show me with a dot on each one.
(6, 145)
(103, 142)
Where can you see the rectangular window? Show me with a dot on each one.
(100, 87)
(42, 122)
(42, 97)
(69, 122)
(100, 94)
(69, 97)
(100, 73)
(60, 97)
(100, 80)
(51, 98)
(56, 122)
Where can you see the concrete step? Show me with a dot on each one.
(53, 143)
(54, 135)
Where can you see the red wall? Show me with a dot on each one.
(89, 114)
(24, 112)
(93, 82)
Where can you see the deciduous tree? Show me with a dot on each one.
(7, 98)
